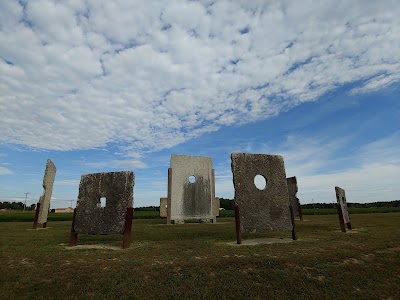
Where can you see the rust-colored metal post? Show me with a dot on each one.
(73, 237)
(341, 220)
(169, 196)
(294, 237)
(35, 220)
(128, 228)
(237, 222)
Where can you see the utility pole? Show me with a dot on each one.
(26, 196)
(71, 204)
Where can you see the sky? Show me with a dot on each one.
(101, 86)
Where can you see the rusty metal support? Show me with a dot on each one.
(237, 222)
(127, 228)
(73, 237)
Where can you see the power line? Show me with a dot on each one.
(26, 196)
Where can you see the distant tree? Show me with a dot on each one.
(227, 204)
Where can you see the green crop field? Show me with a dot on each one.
(194, 261)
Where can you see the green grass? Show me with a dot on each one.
(27, 216)
(193, 261)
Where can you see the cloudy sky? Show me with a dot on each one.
(102, 86)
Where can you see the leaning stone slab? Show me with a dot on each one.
(163, 207)
(266, 209)
(293, 200)
(191, 200)
(342, 202)
(117, 188)
(44, 200)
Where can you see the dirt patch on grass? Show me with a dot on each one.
(94, 247)
(260, 241)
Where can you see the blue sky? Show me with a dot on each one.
(101, 86)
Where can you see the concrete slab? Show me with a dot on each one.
(265, 209)
(191, 188)
(117, 189)
(341, 200)
(163, 207)
(44, 200)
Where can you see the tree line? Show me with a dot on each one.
(16, 205)
(229, 204)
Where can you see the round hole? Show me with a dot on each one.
(192, 179)
(260, 182)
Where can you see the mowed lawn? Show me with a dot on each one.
(194, 261)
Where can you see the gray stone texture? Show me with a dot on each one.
(261, 210)
(163, 207)
(216, 206)
(44, 200)
(191, 201)
(117, 188)
(292, 190)
(341, 200)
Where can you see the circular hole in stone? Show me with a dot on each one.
(192, 179)
(260, 182)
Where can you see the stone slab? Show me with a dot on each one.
(190, 201)
(216, 205)
(341, 200)
(293, 200)
(117, 188)
(44, 200)
(261, 210)
(163, 207)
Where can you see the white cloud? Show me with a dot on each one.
(5, 171)
(125, 164)
(149, 76)
(67, 182)
(370, 174)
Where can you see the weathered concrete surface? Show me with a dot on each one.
(163, 207)
(293, 200)
(261, 210)
(216, 205)
(90, 217)
(191, 201)
(44, 200)
(341, 200)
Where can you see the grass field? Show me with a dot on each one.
(193, 261)
(27, 216)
